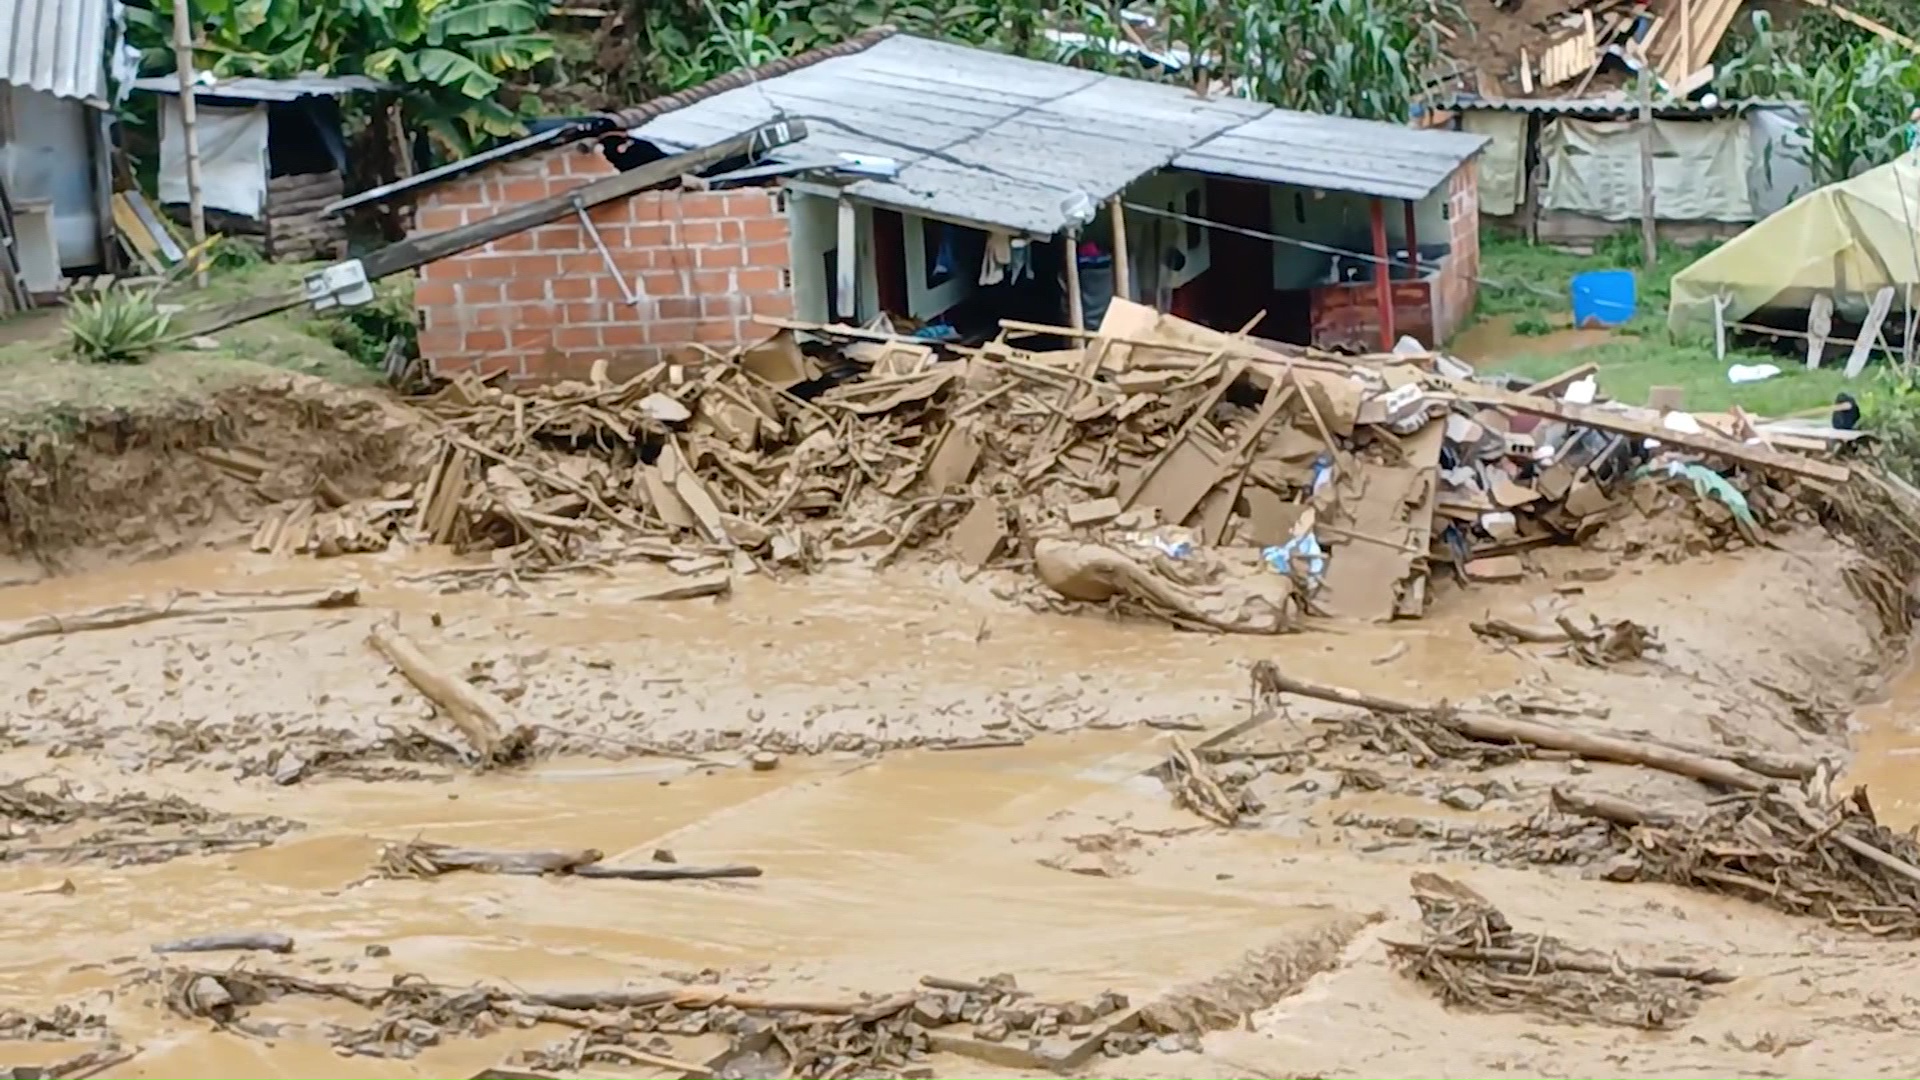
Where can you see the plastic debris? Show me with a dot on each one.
(1749, 373)
(1302, 551)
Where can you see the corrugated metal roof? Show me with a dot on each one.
(58, 47)
(980, 137)
(1335, 153)
(288, 89)
(1607, 108)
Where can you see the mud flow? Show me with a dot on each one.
(447, 743)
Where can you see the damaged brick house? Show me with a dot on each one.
(947, 188)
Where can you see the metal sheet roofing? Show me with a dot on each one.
(1608, 108)
(1011, 143)
(288, 89)
(1335, 153)
(59, 47)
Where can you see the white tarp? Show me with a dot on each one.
(233, 157)
(1699, 169)
(1501, 162)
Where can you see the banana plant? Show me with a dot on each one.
(451, 57)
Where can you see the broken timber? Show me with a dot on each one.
(1588, 416)
(416, 252)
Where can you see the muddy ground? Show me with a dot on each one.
(962, 790)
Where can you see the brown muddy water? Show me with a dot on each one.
(885, 859)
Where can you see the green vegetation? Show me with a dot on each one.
(454, 57)
(118, 326)
(1535, 301)
(1349, 57)
(1858, 88)
(1890, 408)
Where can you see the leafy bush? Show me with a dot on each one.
(1348, 57)
(367, 331)
(452, 57)
(1890, 408)
(119, 326)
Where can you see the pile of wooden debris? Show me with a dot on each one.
(1158, 466)
(1675, 38)
(1473, 957)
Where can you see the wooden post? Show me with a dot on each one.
(189, 136)
(1122, 269)
(1382, 283)
(846, 263)
(1076, 318)
(1413, 240)
(1649, 236)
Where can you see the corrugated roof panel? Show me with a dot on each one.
(980, 136)
(1335, 153)
(1608, 108)
(289, 89)
(58, 47)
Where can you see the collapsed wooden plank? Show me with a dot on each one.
(1627, 424)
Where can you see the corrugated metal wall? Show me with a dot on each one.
(58, 47)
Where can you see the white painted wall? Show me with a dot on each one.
(1344, 220)
(1150, 236)
(923, 302)
(816, 229)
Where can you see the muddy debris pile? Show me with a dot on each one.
(1786, 846)
(1472, 957)
(1156, 466)
(53, 821)
(874, 1035)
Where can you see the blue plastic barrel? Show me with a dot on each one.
(1603, 298)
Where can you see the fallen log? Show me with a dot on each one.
(421, 859)
(666, 872)
(1269, 679)
(179, 606)
(489, 723)
(236, 942)
(1609, 808)
(1548, 962)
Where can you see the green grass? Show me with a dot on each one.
(1629, 367)
(1535, 302)
(44, 390)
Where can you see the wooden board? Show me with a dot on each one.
(1625, 424)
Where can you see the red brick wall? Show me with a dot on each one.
(1459, 282)
(1348, 316)
(542, 303)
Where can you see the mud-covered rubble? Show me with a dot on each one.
(873, 1035)
(1157, 467)
(39, 820)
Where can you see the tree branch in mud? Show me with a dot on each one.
(1269, 680)
(1470, 955)
(489, 723)
(1788, 849)
(873, 1035)
(180, 606)
(419, 859)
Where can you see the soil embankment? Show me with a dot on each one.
(106, 485)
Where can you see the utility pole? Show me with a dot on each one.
(189, 135)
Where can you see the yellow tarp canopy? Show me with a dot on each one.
(1857, 236)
